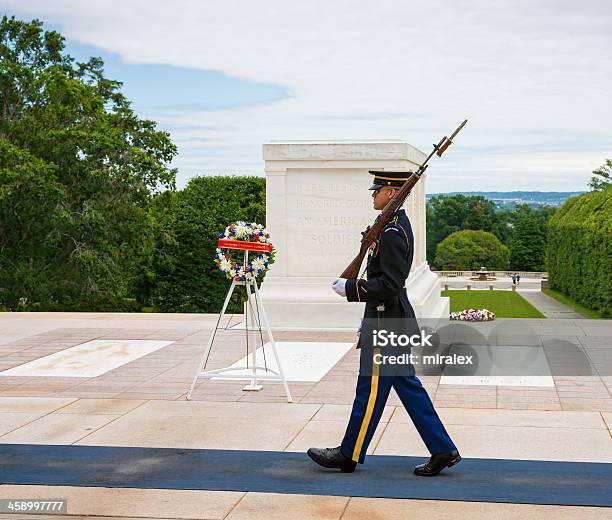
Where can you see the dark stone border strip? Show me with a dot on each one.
(480, 480)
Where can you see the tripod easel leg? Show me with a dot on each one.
(262, 309)
(252, 386)
(210, 341)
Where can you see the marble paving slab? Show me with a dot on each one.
(500, 366)
(301, 360)
(90, 359)
(498, 380)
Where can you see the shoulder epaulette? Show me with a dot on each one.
(392, 225)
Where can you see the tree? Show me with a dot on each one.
(528, 242)
(449, 213)
(470, 250)
(602, 177)
(77, 171)
(185, 276)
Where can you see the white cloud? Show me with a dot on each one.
(531, 76)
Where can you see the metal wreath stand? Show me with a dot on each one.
(257, 311)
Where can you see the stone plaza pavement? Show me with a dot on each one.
(142, 403)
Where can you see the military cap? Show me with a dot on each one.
(385, 178)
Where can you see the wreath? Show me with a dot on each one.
(259, 249)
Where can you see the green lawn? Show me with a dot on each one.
(505, 304)
(566, 300)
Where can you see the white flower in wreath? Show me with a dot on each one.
(225, 265)
(241, 230)
(258, 264)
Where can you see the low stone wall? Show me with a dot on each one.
(523, 274)
(501, 283)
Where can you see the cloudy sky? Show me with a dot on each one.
(533, 77)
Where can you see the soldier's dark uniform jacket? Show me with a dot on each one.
(389, 261)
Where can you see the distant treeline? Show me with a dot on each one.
(511, 199)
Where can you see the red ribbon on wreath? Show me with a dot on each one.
(225, 243)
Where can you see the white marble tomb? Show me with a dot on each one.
(317, 204)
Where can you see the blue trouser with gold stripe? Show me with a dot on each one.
(373, 389)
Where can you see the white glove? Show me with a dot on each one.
(339, 287)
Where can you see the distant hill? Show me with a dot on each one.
(509, 199)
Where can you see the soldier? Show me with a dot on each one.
(389, 262)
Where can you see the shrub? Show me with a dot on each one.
(579, 251)
(470, 250)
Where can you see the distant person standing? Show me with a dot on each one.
(513, 278)
(518, 279)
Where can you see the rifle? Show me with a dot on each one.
(372, 232)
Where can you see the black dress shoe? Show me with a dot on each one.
(437, 462)
(332, 458)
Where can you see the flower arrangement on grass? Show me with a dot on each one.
(473, 315)
(245, 232)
